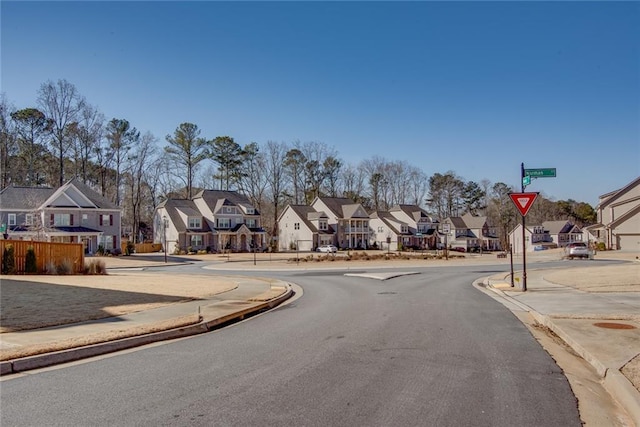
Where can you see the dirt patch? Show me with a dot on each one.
(611, 278)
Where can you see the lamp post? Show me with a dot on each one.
(165, 223)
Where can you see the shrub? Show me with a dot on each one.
(95, 267)
(65, 267)
(600, 246)
(129, 248)
(50, 268)
(100, 250)
(117, 252)
(30, 266)
(8, 260)
(177, 250)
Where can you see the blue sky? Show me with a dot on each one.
(472, 87)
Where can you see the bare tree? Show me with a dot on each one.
(275, 155)
(87, 133)
(61, 103)
(121, 137)
(253, 180)
(140, 161)
(294, 164)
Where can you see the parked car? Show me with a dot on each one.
(328, 249)
(576, 250)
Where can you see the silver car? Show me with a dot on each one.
(327, 248)
(576, 250)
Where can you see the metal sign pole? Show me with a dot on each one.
(524, 245)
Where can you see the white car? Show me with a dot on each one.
(327, 248)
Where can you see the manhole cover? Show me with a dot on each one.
(610, 325)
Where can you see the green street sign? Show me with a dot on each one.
(541, 173)
(526, 180)
(3, 228)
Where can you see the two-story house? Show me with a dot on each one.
(388, 232)
(349, 219)
(471, 233)
(618, 214)
(422, 227)
(72, 213)
(303, 228)
(212, 219)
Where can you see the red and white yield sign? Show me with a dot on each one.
(523, 201)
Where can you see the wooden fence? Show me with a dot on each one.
(143, 248)
(47, 254)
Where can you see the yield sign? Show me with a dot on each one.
(523, 201)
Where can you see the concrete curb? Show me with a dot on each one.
(616, 384)
(73, 354)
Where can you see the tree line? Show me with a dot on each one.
(63, 136)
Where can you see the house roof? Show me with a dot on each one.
(390, 221)
(174, 206)
(612, 196)
(30, 198)
(472, 221)
(219, 198)
(559, 227)
(343, 207)
(414, 211)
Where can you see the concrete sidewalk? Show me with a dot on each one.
(250, 297)
(602, 327)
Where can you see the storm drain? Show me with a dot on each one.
(387, 293)
(612, 325)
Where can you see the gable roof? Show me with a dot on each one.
(612, 196)
(74, 192)
(414, 211)
(307, 214)
(558, 227)
(472, 221)
(390, 221)
(343, 207)
(218, 198)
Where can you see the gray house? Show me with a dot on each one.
(212, 219)
(73, 213)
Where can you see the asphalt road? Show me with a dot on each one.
(418, 350)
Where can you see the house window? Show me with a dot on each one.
(85, 219)
(62, 220)
(106, 241)
(196, 240)
(195, 222)
(251, 211)
(224, 223)
(296, 226)
(12, 219)
(380, 229)
(404, 229)
(106, 219)
(323, 225)
(251, 223)
(228, 209)
(28, 219)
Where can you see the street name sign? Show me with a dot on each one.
(541, 173)
(523, 201)
(526, 180)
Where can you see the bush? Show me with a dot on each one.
(129, 248)
(8, 260)
(30, 267)
(50, 268)
(100, 250)
(65, 267)
(95, 267)
(600, 246)
(117, 252)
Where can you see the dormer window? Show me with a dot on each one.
(195, 222)
(322, 225)
(251, 211)
(404, 229)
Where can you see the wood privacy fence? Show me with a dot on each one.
(47, 254)
(143, 248)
